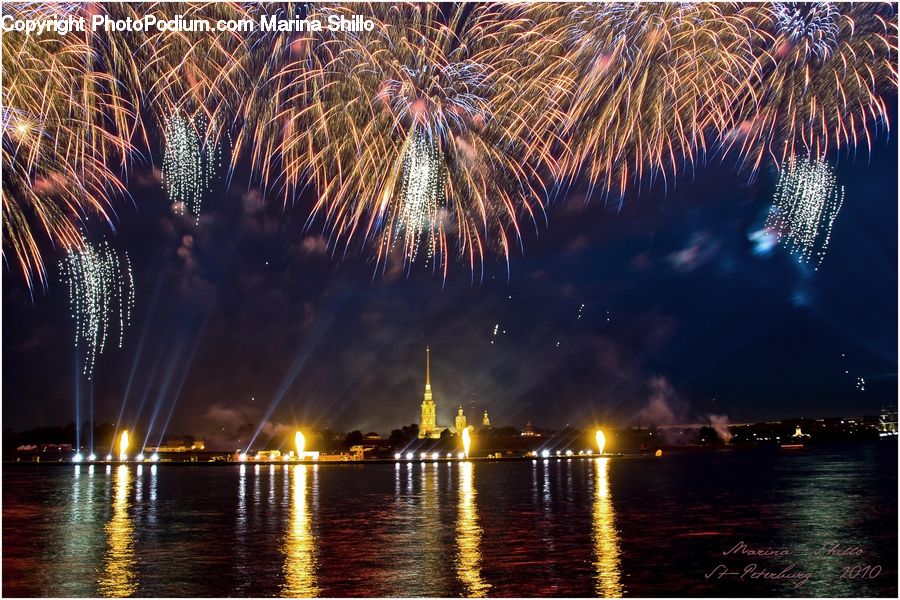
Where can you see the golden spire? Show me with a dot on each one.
(427, 367)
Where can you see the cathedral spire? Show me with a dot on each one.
(427, 427)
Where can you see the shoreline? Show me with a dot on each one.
(667, 452)
(371, 461)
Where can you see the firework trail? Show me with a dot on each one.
(67, 123)
(443, 132)
(409, 134)
(652, 86)
(819, 79)
(72, 108)
(199, 70)
(807, 201)
(101, 297)
(190, 162)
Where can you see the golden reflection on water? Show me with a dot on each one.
(118, 577)
(468, 536)
(299, 542)
(606, 540)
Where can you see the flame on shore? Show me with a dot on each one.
(123, 445)
(467, 441)
(300, 443)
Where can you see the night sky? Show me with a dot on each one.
(249, 318)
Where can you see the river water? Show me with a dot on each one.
(753, 522)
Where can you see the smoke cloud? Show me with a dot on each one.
(720, 424)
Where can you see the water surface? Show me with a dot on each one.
(600, 527)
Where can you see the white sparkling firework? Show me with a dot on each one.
(814, 24)
(190, 162)
(806, 203)
(421, 194)
(101, 298)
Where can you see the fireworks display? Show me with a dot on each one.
(410, 132)
(814, 26)
(442, 131)
(190, 163)
(101, 298)
(806, 203)
(66, 126)
(817, 78)
(653, 85)
(421, 192)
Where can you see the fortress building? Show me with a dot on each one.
(460, 420)
(428, 425)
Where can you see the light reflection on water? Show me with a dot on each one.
(299, 541)
(153, 489)
(606, 539)
(468, 535)
(241, 533)
(594, 527)
(431, 557)
(118, 578)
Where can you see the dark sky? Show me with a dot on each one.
(247, 318)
